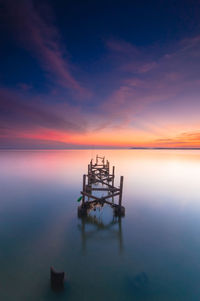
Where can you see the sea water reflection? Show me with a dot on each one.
(94, 226)
(151, 254)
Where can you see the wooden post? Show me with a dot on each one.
(91, 172)
(57, 279)
(121, 189)
(113, 177)
(88, 174)
(84, 180)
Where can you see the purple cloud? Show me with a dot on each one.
(144, 83)
(21, 112)
(41, 37)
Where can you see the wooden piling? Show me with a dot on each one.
(113, 179)
(88, 174)
(113, 175)
(84, 181)
(57, 279)
(121, 189)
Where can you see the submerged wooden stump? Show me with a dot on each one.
(57, 279)
(119, 211)
(82, 211)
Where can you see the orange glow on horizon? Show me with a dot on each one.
(114, 138)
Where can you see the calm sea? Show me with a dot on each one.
(153, 253)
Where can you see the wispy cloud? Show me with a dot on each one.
(185, 139)
(41, 37)
(173, 79)
(23, 112)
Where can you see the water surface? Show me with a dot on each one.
(151, 254)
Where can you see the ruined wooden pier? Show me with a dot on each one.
(100, 179)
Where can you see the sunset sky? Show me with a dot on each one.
(81, 74)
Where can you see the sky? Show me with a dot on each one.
(99, 74)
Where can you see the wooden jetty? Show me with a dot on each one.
(100, 179)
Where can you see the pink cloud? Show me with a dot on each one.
(146, 82)
(147, 67)
(184, 139)
(42, 38)
(24, 112)
(152, 94)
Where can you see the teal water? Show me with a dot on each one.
(153, 253)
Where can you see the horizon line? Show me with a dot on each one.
(105, 148)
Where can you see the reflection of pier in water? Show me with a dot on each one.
(92, 225)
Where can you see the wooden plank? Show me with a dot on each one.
(89, 195)
(105, 189)
(99, 199)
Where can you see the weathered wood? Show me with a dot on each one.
(97, 198)
(84, 181)
(102, 201)
(108, 196)
(105, 189)
(98, 173)
(57, 279)
(89, 195)
(113, 175)
(82, 210)
(113, 179)
(103, 182)
(121, 189)
(119, 210)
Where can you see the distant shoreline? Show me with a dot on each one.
(98, 148)
(166, 148)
